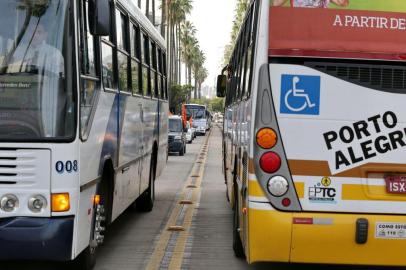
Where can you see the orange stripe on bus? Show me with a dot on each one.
(251, 168)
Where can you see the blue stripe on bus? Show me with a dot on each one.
(113, 132)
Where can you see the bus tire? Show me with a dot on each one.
(182, 152)
(145, 203)
(237, 243)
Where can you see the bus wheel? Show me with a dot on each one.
(237, 244)
(87, 259)
(145, 202)
(182, 151)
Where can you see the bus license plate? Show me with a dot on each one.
(396, 184)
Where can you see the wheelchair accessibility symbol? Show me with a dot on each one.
(300, 94)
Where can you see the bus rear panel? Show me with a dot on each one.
(327, 176)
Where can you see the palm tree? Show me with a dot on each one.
(198, 60)
(240, 10)
(177, 11)
(201, 77)
(188, 41)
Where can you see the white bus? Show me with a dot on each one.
(83, 117)
(315, 166)
(200, 116)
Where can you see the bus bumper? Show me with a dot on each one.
(24, 238)
(275, 236)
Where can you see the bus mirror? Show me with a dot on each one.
(99, 17)
(221, 85)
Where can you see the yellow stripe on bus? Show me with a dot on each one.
(254, 189)
(300, 189)
(368, 192)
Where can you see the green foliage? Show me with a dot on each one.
(213, 105)
(217, 105)
(178, 96)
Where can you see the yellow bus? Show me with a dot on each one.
(315, 133)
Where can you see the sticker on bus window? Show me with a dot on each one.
(300, 94)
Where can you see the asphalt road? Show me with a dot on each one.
(134, 240)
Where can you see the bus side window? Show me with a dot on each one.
(245, 67)
(108, 66)
(160, 77)
(251, 46)
(89, 78)
(146, 81)
(123, 56)
(154, 83)
(135, 60)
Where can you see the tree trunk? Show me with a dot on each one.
(186, 79)
(195, 88)
(200, 90)
(163, 19)
(189, 76)
(175, 53)
(179, 56)
(172, 53)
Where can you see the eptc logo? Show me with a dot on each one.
(300, 94)
(323, 192)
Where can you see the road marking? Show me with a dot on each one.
(170, 248)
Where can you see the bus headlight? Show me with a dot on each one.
(9, 203)
(37, 203)
(278, 186)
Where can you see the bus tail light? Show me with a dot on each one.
(286, 202)
(270, 162)
(278, 186)
(267, 138)
(60, 202)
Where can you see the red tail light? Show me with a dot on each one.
(286, 202)
(270, 162)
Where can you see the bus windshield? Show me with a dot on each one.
(175, 125)
(35, 102)
(195, 111)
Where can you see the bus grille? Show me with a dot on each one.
(20, 166)
(379, 77)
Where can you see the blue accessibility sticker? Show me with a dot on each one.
(300, 94)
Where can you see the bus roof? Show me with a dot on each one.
(358, 29)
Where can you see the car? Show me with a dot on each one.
(189, 133)
(176, 136)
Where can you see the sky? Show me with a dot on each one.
(213, 21)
